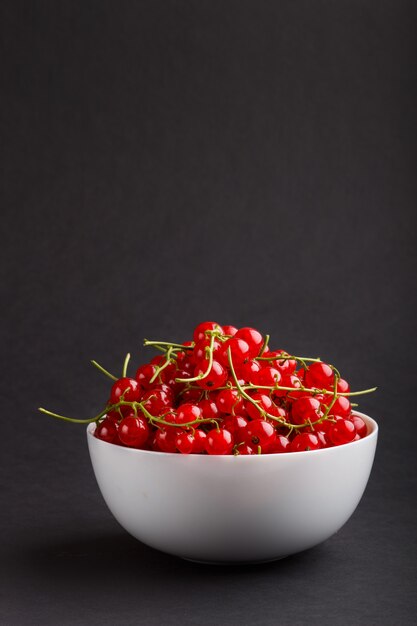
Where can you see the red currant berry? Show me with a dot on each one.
(303, 442)
(342, 386)
(229, 401)
(209, 409)
(341, 407)
(253, 338)
(164, 440)
(264, 403)
(342, 431)
(267, 377)
(319, 375)
(248, 370)
(107, 431)
(245, 450)
(126, 389)
(219, 441)
(188, 413)
(184, 442)
(304, 409)
(229, 330)
(259, 433)
(191, 395)
(144, 375)
(216, 377)
(133, 431)
(359, 424)
(200, 331)
(239, 351)
(236, 425)
(156, 401)
(199, 441)
(279, 445)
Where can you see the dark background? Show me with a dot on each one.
(169, 162)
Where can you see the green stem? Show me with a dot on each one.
(102, 370)
(162, 367)
(125, 364)
(209, 366)
(78, 421)
(168, 344)
(264, 346)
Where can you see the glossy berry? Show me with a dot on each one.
(229, 401)
(126, 389)
(319, 375)
(304, 442)
(343, 431)
(259, 433)
(188, 413)
(341, 406)
(107, 431)
(144, 375)
(342, 386)
(216, 377)
(247, 371)
(239, 351)
(229, 330)
(304, 409)
(184, 442)
(209, 409)
(266, 377)
(200, 331)
(245, 449)
(359, 424)
(199, 444)
(253, 338)
(133, 431)
(219, 441)
(279, 445)
(263, 403)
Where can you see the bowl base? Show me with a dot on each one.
(235, 563)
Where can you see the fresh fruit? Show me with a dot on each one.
(226, 392)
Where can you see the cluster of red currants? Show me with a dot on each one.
(227, 392)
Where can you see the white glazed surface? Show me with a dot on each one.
(231, 509)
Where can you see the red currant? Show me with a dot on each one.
(359, 425)
(188, 413)
(303, 442)
(216, 377)
(259, 433)
(341, 407)
(266, 377)
(219, 441)
(107, 431)
(200, 330)
(304, 409)
(229, 330)
(253, 338)
(229, 401)
(319, 375)
(342, 431)
(133, 431)
(126, 389)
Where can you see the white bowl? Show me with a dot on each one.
(233, 508)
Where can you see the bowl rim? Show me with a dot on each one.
(370, 436)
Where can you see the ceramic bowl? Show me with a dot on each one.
(233, 508)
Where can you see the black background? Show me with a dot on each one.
(169, 162)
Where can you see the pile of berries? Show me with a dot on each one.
(227, 392)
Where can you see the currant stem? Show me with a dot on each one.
(246, 396)
(125, 364)
(162, 367)
(102, 370)
(264, 346)
(168, 344)
(78, 421)
(209, 366)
